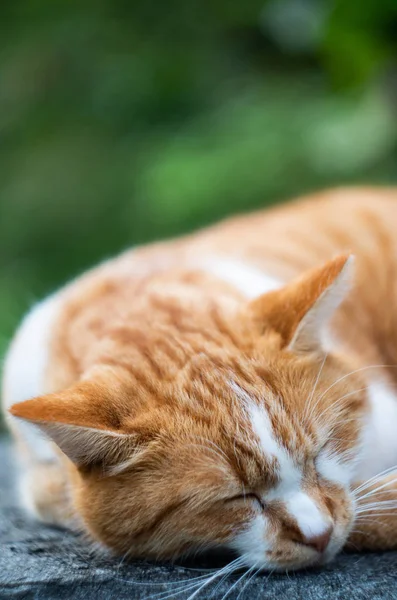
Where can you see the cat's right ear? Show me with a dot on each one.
(85, 423)
(300, 312)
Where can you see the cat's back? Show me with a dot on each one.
(261, 251)
(253, 253)
(290, 238)
(287, 240)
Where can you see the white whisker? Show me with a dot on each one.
(239, 565)
(239, 580)
(385, 505)
(378, 489)
(254, 574)
(210, 579)
(356, 371)
(376, 492)
(375, 517)
(194, 583)
(374, 479)
(338, 401)
(308, 402)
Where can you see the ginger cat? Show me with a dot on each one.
(232, 388)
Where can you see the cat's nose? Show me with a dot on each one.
(318, 542)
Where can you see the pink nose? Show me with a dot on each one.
(319, 542)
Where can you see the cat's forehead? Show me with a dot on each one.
(273, 430)
(262, 444)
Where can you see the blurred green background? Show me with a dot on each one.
(125, 121)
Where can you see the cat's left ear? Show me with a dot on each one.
(84, 422)
(301, 311)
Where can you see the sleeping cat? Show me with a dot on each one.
(230, 389)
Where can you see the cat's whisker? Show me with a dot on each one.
(223, 579)
(387, 510)
(377, 490)
(353, 373)
(338, 401)
(175, 582)
(120, 564)
(191, 584)
(375, 493)
(254, 574)
(308, 402)
(210, 579)
(166, 595)
(374, 479)
(358, 531)
(239, 580)
(382, 505)
(371, 515)
(369, 518)
(235, 453)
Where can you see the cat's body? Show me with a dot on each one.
(178, 370)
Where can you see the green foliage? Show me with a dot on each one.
(121, 122)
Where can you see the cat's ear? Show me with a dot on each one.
(301, 311)
(84, 421)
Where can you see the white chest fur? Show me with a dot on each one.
(24, 369)
(380, 434)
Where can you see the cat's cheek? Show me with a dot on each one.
(254, 540)
(101, 513)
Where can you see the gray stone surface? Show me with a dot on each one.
(43, 563)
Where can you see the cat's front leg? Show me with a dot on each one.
(41, 478)
(43, 494)
(375, 526)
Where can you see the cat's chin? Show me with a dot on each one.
(314, 560)
(309, 563)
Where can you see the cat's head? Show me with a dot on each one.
(251, 444)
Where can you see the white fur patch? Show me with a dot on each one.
(289, 475)
(332, 467)
(249, 280)
(310, 520)
(24, 370)
(254, 542)
(379, 448)
(262, 427)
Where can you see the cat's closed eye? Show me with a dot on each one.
(251, 498)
